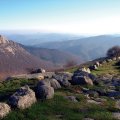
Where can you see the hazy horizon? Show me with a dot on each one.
(84, 17)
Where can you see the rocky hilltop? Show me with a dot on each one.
(90, 91)
(16, 60)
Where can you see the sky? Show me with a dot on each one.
(61, 16)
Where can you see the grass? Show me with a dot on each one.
(60, 108)
(108, 68)
(57, 108)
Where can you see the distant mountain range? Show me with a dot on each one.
(18, 59)
(38, 38)
(88, 48)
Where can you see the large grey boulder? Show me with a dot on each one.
(4, 110)
(44, 82)
(89, 75)
(44, 92)
(63, 78)
(81, 80)
(55, 84)
(22, 98)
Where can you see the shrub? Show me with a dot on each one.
(114, 52)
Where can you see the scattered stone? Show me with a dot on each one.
(117, 104)
(109, 60)
(88, 70)
(116, 115)
(100, 99)
(93, 94)
(55, 84)
(93, 102)
(97, 64)
(83, 69)
(88, 119)
(4, 110)
(113, 93)
(81, 80)
(82, 73)
(114, 58)
(22, 98)
(71, 98)
(65, 83)
(44, 92)
(118, 58)
(44, 82)
(94, 67)
(63, 78)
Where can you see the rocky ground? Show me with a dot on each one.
(89, 92)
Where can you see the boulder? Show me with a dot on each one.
(63, 78)
(97, 63)
(93, 67)
(118, 58)
(114, 58)
(117, 104)
(92, 93)
(22, 98)
(55, 84)
(4, 110)
(84, 70)
(44, 82)
(71, 98)
(88, 70)
(93, 102)
(109, 60)
(81, 80)
(113, 94)
(89, 75)
(88, 119)
(44, 92)
(116, 115)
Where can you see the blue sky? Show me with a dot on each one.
(64, 16)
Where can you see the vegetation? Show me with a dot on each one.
(108, 68)
(114, 51)
(58, 108)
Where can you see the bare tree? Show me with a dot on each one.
(114, 51)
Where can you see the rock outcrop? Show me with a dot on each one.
(4, 110)
(22, 98)
(44, 91)
(55, 84)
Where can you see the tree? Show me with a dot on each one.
(114, 52)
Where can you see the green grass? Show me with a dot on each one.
(107, 68)
(57, 108)
(60, 108)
